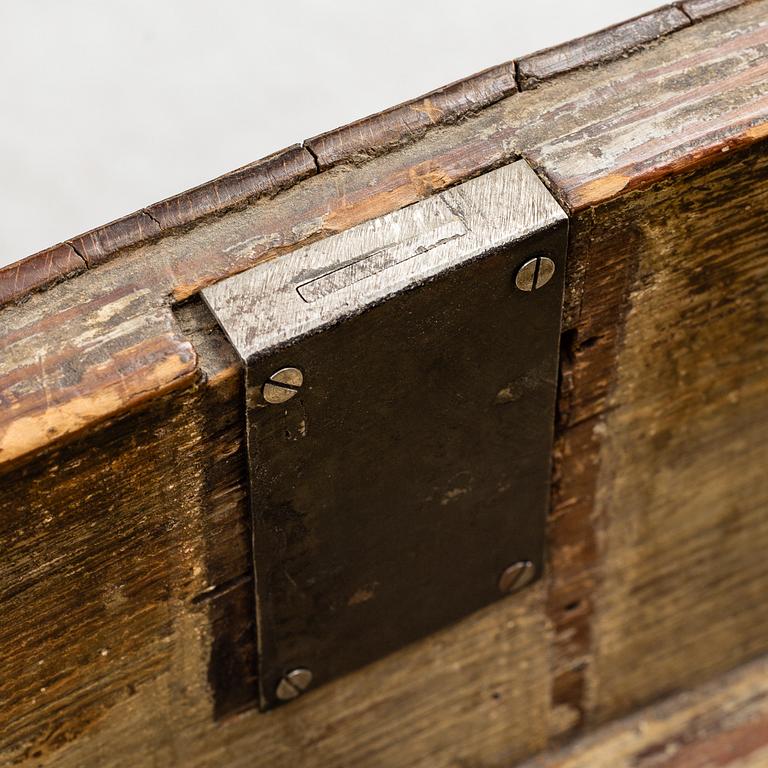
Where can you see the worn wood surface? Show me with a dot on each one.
(720, 725)
(163, 671)
(593, 134)
(700, 9)
(39, 271)
(660, 472)
(99, 244)
(605, 45)
(356, 142)
(123, 482)
(407, 122)
(260, 179)
(682, 489)
(124, 352)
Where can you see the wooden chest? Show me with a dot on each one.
(128, 631)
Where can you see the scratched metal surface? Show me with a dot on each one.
(410, 466)
(314, 286)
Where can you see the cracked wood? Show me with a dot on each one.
(128, 529)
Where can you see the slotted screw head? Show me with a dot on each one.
(293, 684)
(282, 385)
(535, 273)
(517, 576)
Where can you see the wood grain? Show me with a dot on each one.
(355, 142)
(723, 724)
(596, 611)
(682, 492)
(603, 243)
(263, 178)
(113, 573)
(408, 122)
(605, 45)
(126, 531)
(171, 540)
(137, 353)
(700, 9)
(38, 271)
(101, 243)
(593, 135)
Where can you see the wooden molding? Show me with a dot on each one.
(356, 142)
(41, 270)
(700, 9)
(380, 133)
(602, 46)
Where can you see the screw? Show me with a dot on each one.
(535, 273)
(517, 576)
(282, 385)
(293, 684)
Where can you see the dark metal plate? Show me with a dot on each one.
(408, 464)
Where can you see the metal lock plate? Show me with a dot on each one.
(400, 389)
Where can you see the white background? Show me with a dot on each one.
(110, 105)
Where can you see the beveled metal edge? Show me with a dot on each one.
(269, 306)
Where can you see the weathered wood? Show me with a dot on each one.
(628, 530)
(126, 530)
(672, 115)
(723, 724)
(602, 46)
(259, 179)
(136, 353)
(89, 579)
(408, 122)
(603, 243)
(263, 178)
(682, 491)
(700, 9)
(165, 542)
(100, 244)
(39, 271)
(357, 141)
